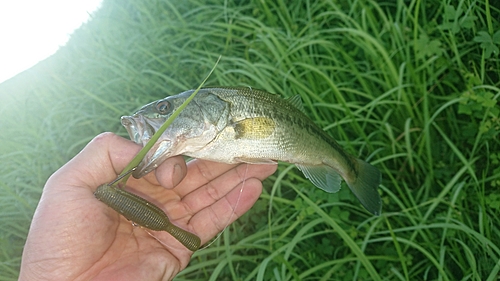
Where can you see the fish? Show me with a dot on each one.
(247, 125)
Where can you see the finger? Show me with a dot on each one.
(199, 173)
(216, 189)
(171, 172)
(213, 219)
(99, 162)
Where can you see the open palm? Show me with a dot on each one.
(74, 236)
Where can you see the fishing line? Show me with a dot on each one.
(119, 177)
(158, 239)
(241, 189)
(228, 222)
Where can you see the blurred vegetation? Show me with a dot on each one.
(411, 86)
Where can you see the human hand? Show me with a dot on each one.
(73, 236)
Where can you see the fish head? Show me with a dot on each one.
(142, 125)
(195, 126)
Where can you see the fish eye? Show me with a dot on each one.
(163, 107)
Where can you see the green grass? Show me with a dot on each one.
(411, 86)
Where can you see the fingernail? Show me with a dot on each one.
(176, 175)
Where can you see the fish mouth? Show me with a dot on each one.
(140, 130)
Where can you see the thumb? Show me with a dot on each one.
(99, 162)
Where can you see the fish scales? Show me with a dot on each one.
(250, 103)
(234, 125)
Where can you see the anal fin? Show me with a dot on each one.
(322, 176)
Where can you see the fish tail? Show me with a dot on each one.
(365, 185)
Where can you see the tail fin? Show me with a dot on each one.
(365, 187)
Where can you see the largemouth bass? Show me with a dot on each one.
(245, 125)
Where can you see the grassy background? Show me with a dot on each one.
(411, 86)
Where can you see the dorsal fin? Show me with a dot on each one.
(296, 101)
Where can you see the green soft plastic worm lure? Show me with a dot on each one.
(144, 213)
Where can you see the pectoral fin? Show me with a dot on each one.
(322, 176)
(254, 128)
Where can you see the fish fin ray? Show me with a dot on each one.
(254, 128)
(296, 101)
(322, 176)
(365, 187)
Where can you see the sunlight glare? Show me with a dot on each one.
(31, 30)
